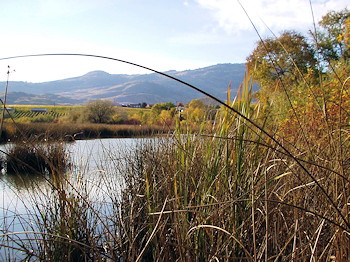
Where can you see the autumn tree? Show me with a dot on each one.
(166, 117)
(276, 62)
(195, 111)
(99, 111)
(333, 35)
(347, 34)
(294, 91)
(157, 108)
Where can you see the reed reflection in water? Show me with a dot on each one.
(31, 203)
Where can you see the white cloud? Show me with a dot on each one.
(200, 39)
(276, 14)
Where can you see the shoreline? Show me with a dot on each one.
(70, 132)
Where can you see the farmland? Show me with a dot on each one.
(30, 112)
(62, 122)
(20, 111)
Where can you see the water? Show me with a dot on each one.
(96, 167)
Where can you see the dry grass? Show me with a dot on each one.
(33, 157)
(56, 131)
(238, 194)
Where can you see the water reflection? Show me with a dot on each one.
(96, 174)
(22, 182)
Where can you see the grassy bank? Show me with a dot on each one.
(69, 132)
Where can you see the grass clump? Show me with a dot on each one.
(34, 157)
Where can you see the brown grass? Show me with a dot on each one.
(56, 131)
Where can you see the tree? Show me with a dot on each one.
(276, 63)
(347, 34)
(166, 117)
(195, 112)
(333, 38)
(196, 103)
(281, 58)
(157, 108)
(100, 111)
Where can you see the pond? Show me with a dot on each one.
(95, 175)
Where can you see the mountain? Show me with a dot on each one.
(121, 88)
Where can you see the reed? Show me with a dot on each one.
(204, 181)
(34, 157)
(234, 194)
(56, 131)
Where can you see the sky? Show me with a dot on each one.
(159, 34)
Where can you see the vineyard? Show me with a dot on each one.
(35, 113)
(51, 113)
(30, 114)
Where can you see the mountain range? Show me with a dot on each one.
(125, 89)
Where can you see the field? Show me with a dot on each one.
(25, 111)
(64, 122)
(30, 114)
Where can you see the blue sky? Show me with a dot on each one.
(164, 35)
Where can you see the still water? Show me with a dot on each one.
(95, 168)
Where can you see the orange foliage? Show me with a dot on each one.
(324, 109)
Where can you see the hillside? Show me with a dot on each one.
(151, 88)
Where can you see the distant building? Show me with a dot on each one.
(179, 107)
(39, 110)
(132, 105)
(9, 109)
(135, 105)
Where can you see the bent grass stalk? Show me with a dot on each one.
(251, 122)
(240, 180)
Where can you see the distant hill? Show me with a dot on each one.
(121, 88)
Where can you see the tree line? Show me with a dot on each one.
(303, 79)
(296, 75)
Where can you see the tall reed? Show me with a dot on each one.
(233, 194)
